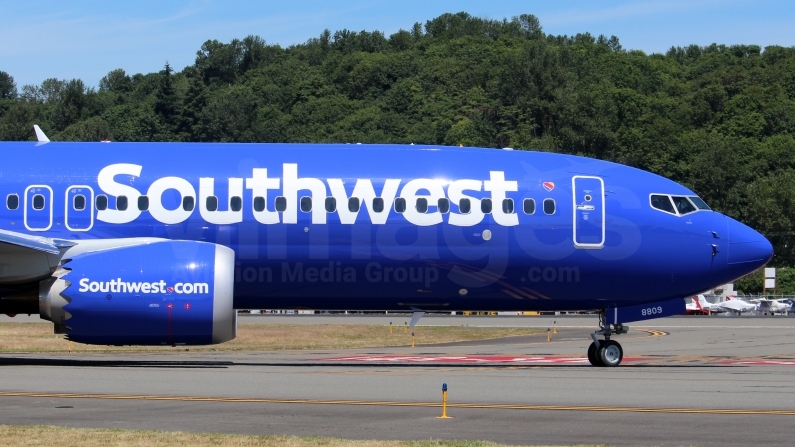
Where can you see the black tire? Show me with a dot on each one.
(592, 355)
(610, 353)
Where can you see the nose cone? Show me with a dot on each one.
(747, 248)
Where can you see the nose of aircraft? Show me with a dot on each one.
(748, 250)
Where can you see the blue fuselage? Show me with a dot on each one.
(362, 226)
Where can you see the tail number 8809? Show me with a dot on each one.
(651, 311)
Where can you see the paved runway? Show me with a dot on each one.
(686, 381)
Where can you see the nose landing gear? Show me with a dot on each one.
(606, 352)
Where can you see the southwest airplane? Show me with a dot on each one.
(160, 243)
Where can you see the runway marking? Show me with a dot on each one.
(481, 359)
(718, 327)
(760, 362)
(401, 404)
(485, 359)
(654, 333)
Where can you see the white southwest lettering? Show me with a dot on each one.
(260, 185)
(155, 194)
(456, 192)
(366, 193)
(218, 217)
(410, 193)
(107, 183)
(120, 286)
(498, 186)
(293, 184)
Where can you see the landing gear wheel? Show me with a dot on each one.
(610, 353)
(593, 357)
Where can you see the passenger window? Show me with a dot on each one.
(400, 205)
(12, 201)
(121, 203)
(38, 202)
(683, 205)
(378, 205)
(306, 204)
(549, 206)
(211, 203)
(143, 203)
(79, 202)
(259, 204)
(188, 203)
(422, 205)
(464, 206)
(101, 202)
(236, 203)
(662, 203)
(443, 205)
(331, 204)
(353, 204)
(485, 206)
(700, 204)
(281, 203)
(507, 206)
(529, 206)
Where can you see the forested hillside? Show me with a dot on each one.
(720, 119)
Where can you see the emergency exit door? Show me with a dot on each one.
(38, 208)
(589, 211)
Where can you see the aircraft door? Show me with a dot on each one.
(79, 215)
(38, 208)
(589, 211)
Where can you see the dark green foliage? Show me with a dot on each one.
(70, 104)
(193, 104)
(752, 284)
(116, 81)
(221, 64)
(15, 124)
(720, 119)
(8, 88)
(166, 97)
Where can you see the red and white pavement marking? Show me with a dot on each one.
(465, 359)
(760, 362)
(530, 360)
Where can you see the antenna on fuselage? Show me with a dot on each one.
(40, 134)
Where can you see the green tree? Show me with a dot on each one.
(8, 88)
(192, 107)
(17, 123)
(166, 104)
(70, 104)
(229, 116)
(116, 81)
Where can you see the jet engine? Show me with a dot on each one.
(158, 293)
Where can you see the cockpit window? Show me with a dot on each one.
(683, 205)
(700, 204)
(662, 203)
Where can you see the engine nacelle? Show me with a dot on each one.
(161, 293)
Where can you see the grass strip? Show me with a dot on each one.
(37, 435)
(38, 337)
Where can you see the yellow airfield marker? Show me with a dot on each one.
(444, 403)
